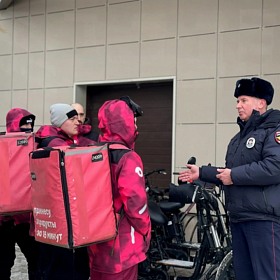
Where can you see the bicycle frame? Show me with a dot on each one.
(167, 243)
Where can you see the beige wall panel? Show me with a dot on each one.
(89, 3)
(159, 19)
(197, 141)
(5, 72)
(19, 99)
(36, 70)
(118, 1)
(21, 8)
(61, 5)
(37, 33)
(239, 53)
(122, 61)
(5, 106)
(271, 12)
(224, 134)
(36, 104)
(197, 57)
(196, 101)
(91, 27)
(20, 66)
(123, 23)
(56, 95)
(59, 68)
(21, 35)
(158, 58)
(270, 50)
(197, 17)
(275, 81)
(239, 14)
(37, 7)
(226, 102)
(60, 30)
(7, 13)
(90, 64)
(6, 37)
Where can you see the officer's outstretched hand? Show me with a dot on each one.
(190, 174)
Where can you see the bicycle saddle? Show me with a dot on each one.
(156, 215)
(169, 207)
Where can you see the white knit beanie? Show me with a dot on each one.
(61, 113)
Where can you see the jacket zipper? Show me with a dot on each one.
(66, 198)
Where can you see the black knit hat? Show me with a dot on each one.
(255, 87)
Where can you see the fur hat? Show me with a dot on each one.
(255, 87)
(61, 113)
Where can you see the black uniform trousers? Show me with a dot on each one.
(10, 234)
(256, 250)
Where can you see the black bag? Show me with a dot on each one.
(182, 193)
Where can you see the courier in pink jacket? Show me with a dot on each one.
(61, 263)
(117, 121)
(15, 229)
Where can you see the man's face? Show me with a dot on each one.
(70, 127)
(27, 125)
(81, 114)
(246, 105)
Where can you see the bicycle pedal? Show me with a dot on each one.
(176, 263)
(191, 245)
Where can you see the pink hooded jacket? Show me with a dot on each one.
(60, 138)
(13, 119)
(116, 121)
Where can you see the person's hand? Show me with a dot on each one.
(224, 176)
(190, 174)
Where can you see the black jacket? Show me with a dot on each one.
(255, 169)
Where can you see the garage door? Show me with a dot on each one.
(154, 144)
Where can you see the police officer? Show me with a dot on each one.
(252, 182)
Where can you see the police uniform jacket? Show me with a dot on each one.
(253, 155)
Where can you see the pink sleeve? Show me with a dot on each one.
(131, 185)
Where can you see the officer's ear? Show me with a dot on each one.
(262, 104)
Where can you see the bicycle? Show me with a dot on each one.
(168, 246)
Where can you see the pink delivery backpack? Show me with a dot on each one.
(15, 183)
(72, 195)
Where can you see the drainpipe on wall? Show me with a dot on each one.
(4, 4)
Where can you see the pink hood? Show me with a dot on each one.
(116, 121)
(13, 119)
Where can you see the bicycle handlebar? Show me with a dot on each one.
(159, 171)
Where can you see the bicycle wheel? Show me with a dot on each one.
(225, 270)
(190, 227)
(210, 273)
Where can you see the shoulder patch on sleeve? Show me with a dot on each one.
(139, 171)
(277, 137)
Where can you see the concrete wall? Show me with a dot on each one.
(46, 46)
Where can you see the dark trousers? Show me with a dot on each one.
(58, 263)
(11, 234)
(128, 274)
(256, 250)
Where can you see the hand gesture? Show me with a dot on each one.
(224, 176)
(190, 174)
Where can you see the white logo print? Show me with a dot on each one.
(250, 142)
(139, 171)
